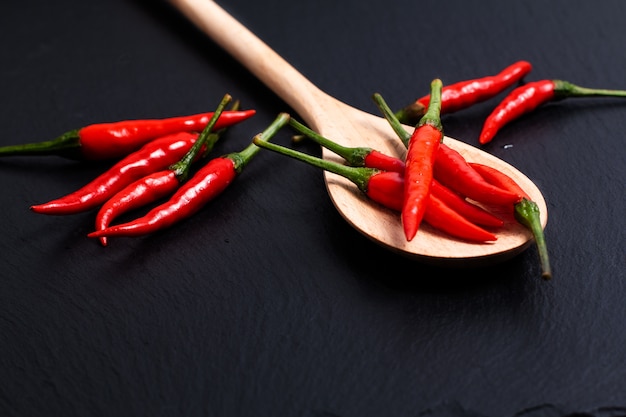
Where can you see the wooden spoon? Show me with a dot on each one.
(353, 127)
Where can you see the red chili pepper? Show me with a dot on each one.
(118, 139)
(496, 177)
(463, 94)
(526, 211)
(387, 188)
(140, 193)
(453, 171)
(420, 158)
(383, 162)
(354, 156)
(526, 98)
(451, 168)
(153, 156)
(471, 212)
(206, 184)
(442, 217)
(158, 185)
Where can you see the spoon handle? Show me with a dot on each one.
(269, 67)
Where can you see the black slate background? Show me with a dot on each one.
(267, 303)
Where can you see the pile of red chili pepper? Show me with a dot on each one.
(154, 159)
(433, 184)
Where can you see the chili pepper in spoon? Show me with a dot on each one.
(526, 212)
(153, 156)
(335, 119)
(361, 156)
(526, 98)
(458, 203)
(419, 160)
(206, 184)
(451, 168)
(463, 94)
(159, 184)
(370, 158)
(387, 188)
(117, 139)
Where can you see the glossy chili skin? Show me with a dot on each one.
(115, 140)
(419, 161)
(206, 184)
(464, 94)
(138, 194)
(378, 160)
(154, 156)
(520, 101)
(499, 179)
(458, 203)
(387, 189)
(453, 171)
(160, 184)
(528, 97)
(526, 212)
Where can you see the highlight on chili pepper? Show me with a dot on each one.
(160, 184)
(114, 140)
(207, 183)
(387, 188)
(371, 158)
(451, 168)
(419, 161)
(526, 212)
(528, 97)
(463, 94)
(154, 156)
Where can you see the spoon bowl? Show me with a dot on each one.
(353, 127)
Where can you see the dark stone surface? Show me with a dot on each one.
(267, 303)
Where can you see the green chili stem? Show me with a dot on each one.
(183, 167)
(354, 156)
(66, 142)
(563, 89)
(392, 119)
(410, 113)
(358, 175)
(433, 111)
(527, 213)
(242, 158)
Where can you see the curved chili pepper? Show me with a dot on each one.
(440, 216)
(140, 193)
(153, 156)
(162, 183)
(470, 211)
(526, 211)
(206, 184)
(453, 171)
(451, 168)
(463, 94)
(526, 98)
(378, 160)
(354, 156)
(387, 188)
(118, 139)
(420, 158)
